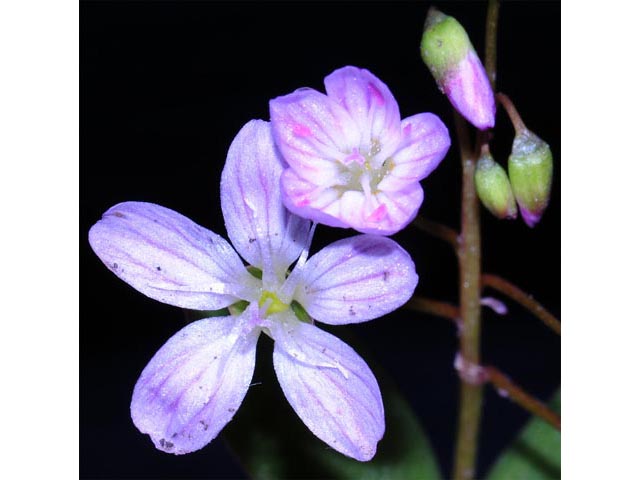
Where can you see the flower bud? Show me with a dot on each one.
(493, 187)
(530, 173)
(454, 63)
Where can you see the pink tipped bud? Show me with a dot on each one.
(531, 172)
(454, 63)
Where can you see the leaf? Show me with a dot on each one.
(271, 442)
(534, 455)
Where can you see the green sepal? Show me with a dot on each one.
(255, 271)
(300, 312)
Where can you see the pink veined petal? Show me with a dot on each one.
(357, 279)
(194, 384)
(257, 221)
(168, 257)
(313, 133)
(303, 198)
(383, 213)
(370, 104)
(425, 143)
(469, 91)
(341, 406)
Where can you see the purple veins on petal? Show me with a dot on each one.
(357, 279)
(193, 385)
(168, 257)
(258, 224)
(342, 407)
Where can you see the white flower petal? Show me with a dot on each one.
(168, 257)
(263, 231)
(356, 279)
(194, 384)
(369, 102)
(341, 406)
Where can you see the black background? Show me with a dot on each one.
(164, 89)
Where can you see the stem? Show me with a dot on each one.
(508, 105)
(524, 299)
(469, 264)
(437, 230)
(506, 387)
(434, 307)
(490, 54)
(469, 255)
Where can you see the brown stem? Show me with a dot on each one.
(508, 105)
(434, 307)
(507, 388)
(523, 298)
(437, 230)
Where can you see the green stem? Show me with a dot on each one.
(469, 264)
(469, 256)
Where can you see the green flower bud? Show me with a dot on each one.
(493, 187)
(530, 173)
(444, 44)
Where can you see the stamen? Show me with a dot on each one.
(290, 284)
(365, 183)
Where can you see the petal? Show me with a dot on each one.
(382, 213)
(168, 257)
(469, 91)
(425, 143)
(313, 133)
(341, 406)
(357, 279)
(194, 384)
(258, 224)
(369, 102)
(303, 198)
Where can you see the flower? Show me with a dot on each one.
(195, 383)
(459, 73)
(351, 161)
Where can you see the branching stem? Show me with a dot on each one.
(437, 230)
(434, 307)
(509, 289)
(507, 388)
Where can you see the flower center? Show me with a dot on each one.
(273, 303)
(363, 172)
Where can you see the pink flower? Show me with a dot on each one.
(352, 162)
(196, 382)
